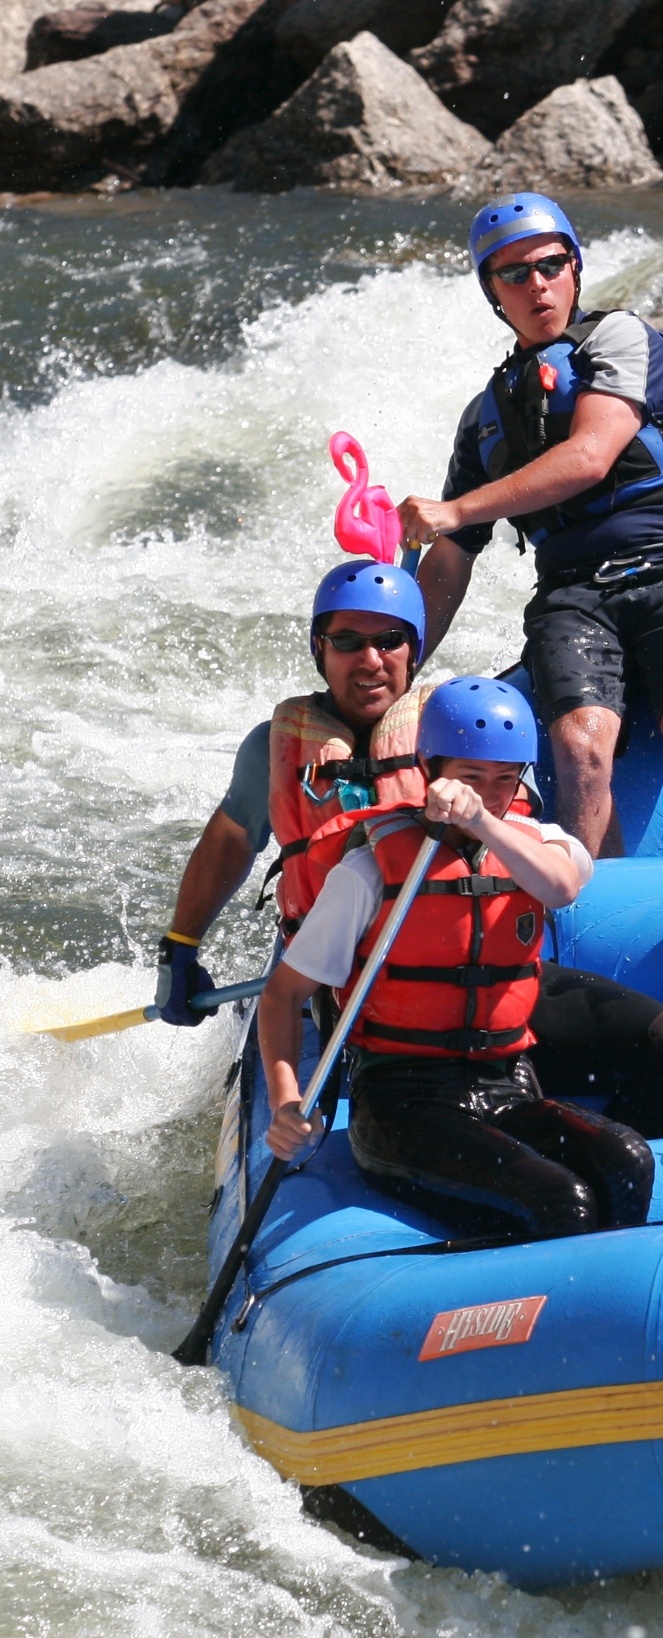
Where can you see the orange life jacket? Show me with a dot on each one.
(308, 744)
(461, 977)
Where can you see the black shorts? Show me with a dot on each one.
(594, 645)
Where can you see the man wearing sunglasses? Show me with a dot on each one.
(325, 753)
(566, 442)
(345, 749)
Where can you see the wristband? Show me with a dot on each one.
(181, 938)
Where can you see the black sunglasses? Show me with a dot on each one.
(350, 642)
(549, 267)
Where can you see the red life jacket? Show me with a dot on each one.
(461, 977)
(307, 743)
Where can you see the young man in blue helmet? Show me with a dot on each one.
(566, 442)
(346, 747)
(445, 1108)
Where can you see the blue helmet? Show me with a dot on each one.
(373, 588)
(480, 717)
(517, 216)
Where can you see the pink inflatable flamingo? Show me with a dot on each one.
(366, 519)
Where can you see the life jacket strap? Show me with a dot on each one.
(289, 925)
(456, 1040)
(357, 767)
(287, 852)
(467, 887)
(468, 977)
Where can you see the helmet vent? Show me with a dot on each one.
(379, 580)
(475, 717)
(352, 577)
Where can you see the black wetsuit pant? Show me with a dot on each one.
(469, 1143)
(593, 1038)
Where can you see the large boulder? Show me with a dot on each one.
(311, 28)
(635, 56)
(493, 59)
(582, 136)
(16, 20)
(88, 30)
(363, 119)
(158, 108)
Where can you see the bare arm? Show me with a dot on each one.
(220, 862)
(601, 428)
(544, 869)
(444, 577)
(280, 1036)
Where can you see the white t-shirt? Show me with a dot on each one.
(325, 945)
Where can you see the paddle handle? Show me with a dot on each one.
(193, 1350)
(214, 998)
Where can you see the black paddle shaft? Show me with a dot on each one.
(193, 1350)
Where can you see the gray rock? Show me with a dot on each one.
(363, 119)
(87, 30)
(585, 135)
(313, 27)
(495, 58)
(158, 108)
(16, 19)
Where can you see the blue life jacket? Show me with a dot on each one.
(528, 407)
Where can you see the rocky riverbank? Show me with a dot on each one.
(472, 96)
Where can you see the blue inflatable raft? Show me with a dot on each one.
(615, 926)
(494, 1407)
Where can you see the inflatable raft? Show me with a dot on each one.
(615, 926)
(490, 1406)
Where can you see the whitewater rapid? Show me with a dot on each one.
(163, 524)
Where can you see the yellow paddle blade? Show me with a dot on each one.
(97, 1026)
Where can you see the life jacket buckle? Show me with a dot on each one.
(476, 887)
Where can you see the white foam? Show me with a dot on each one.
(131, 1506)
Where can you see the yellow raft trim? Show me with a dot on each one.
(461, 1433)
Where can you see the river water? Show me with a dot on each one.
(172, 367)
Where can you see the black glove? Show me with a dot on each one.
(181, 976)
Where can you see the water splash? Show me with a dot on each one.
(163, 526)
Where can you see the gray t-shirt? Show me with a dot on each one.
(622, 357)
(247, 797)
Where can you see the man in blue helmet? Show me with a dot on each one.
(445, 1107)
(346, 747)
(566, 442)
